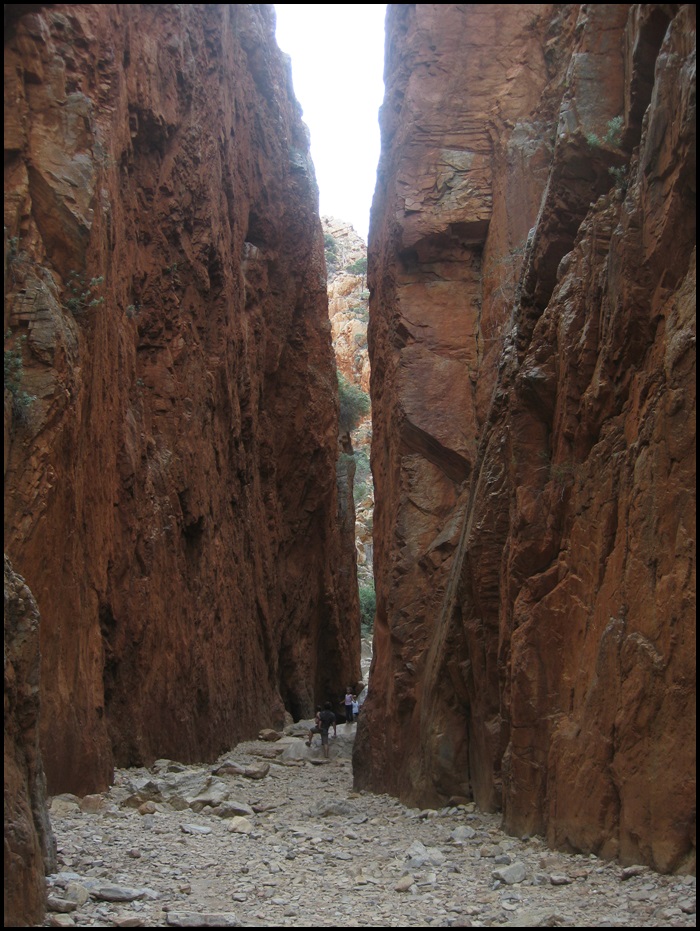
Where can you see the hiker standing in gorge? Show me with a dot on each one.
(348, 706)
(324, 720)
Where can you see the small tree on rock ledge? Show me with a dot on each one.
(354, 404)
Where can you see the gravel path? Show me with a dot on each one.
(185, 846)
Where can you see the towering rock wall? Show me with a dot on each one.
(170, 492)
(532, 328)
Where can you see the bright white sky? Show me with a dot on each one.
(337, 52)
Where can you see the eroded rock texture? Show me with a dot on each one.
(532, 338)
(348, 306)
(171, 493)
(29, 848)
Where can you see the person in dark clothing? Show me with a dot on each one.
(324, 720)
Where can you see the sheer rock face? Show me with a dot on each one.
(28, 841)
(171, 492)
(532, 345)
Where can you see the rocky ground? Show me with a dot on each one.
(274, 836)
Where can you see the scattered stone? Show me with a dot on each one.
(229, 769)
(61, 921)
(231, 807)
(490, 850)
(178, 803)
(559, 879)
(194, 920)
(76, 892)
(108, 892)
(257, 771)
(373, 846)
(336, 807)
(63, 805)
(419, 856)
(195, 829)
(148, 808)
(637, 870)
(269, 734)
(511, 874)
(259, 809)
(540, 918)
(404, 884)
(92, 803)
(58, 903)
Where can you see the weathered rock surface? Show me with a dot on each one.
(348, 308)
(170, 495)
(29, 847)
(532, 332)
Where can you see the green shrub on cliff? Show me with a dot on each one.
(331, 250)
(354, 404)
(358, 267)
(82, 296)
(13, 371)
(363, 478)
(368, 606)
(613, 134)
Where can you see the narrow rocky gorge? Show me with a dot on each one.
(182, 549)
(171, 406)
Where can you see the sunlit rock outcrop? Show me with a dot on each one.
(346, 257)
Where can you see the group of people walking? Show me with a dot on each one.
(326, 718)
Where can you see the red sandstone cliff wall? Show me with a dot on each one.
(534, 529)
(29, 847)
(170, 495)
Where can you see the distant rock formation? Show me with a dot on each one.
(348, 301)
(532, 333)
(348, 308)
(172, 424)
(28, 841)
